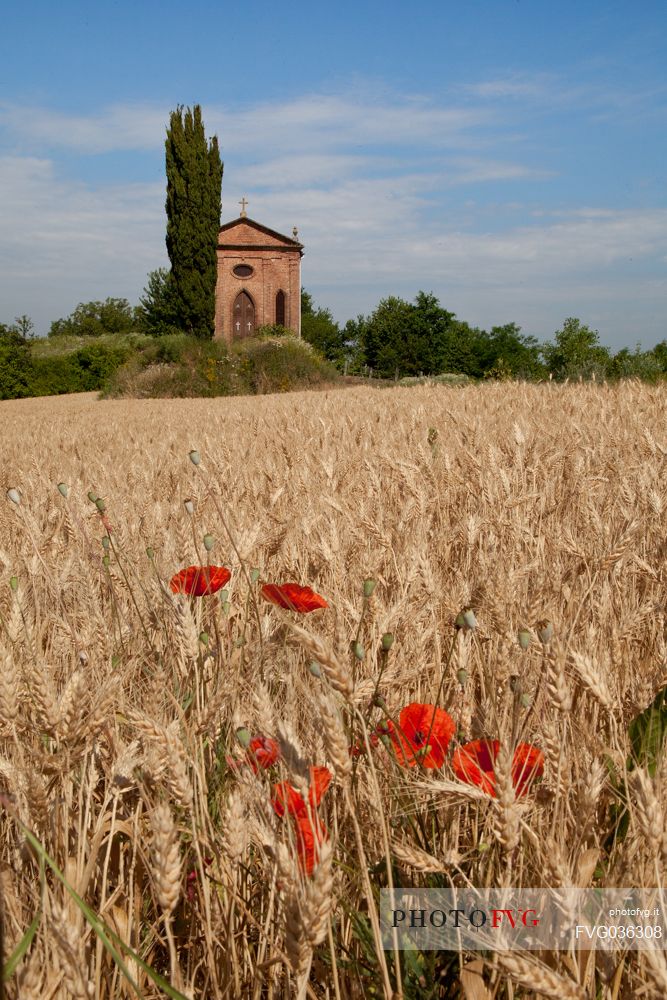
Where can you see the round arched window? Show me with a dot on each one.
(243, 270)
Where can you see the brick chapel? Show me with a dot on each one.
(259, 279)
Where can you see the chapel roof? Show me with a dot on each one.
(226, 235)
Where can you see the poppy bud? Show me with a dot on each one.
(100, 504)
(545, 632)
(226, 607)
(369, 587)
(209, 542)
(14, 583)
(526, 700)
(150, 552)
(243, 736)
(195, 457)
(105, 542)
(92, 496)
(224, 595)
(115, 660)
(14, 496)
(469, 619)
(203, 638)
(462, 677)
(524, 637)
(358, 650)
(387, 641)
(63, 489)
(106, 562)
(315, 668)
(254, 575)
(189, 506)
(459, 621)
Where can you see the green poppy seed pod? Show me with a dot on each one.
(209, 542)
(358, 650)
(105, 542)
(100, 504)
(150, 552)
(369, 587)
(195, 457)
(482, 846)
(14, 495)
(226, 607)
(224, 595)
(462, 677)
(526, 700)
(92, 496)
(387, 641)
(243, 736)
(115, 660)
(459, 621)
(63, 489)
(106, 562)
(315, 668)
(524, 638)
(189, 506)
(203, 638)
(545, 632)
(254, 575)
(469, 619)
(14, 583)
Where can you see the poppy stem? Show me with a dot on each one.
(443, 675)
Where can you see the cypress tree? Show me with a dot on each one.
(194, 181)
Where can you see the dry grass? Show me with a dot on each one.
(530, 505)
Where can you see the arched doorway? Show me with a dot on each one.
(280, 308)
(243, 316)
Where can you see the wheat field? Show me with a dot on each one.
(142, 854)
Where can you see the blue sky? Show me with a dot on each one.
(508, 155)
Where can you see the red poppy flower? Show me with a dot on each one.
(309, 830)
(423, 735)
(287, 799)
(474, 763)
(310, 835)
(196, 581)
(293, 597)
(262, 752)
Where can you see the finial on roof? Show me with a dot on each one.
(243, 202)
(295, 233)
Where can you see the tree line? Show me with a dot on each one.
(396, 340)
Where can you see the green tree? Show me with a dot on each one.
(15, 363)
(403, 338)
(506, 350)
(194, 181)
(576, 352)
(319, 328)
(93, 319)
(157, 310)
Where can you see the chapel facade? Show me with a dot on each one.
(259, 279)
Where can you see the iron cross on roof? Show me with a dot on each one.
(243, 202)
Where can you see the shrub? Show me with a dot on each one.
(15, 364)
(93, 319)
